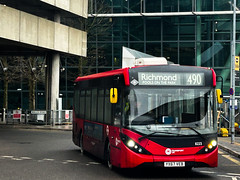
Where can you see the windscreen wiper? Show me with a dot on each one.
(147, 135)
(193, 129)
(150, 134)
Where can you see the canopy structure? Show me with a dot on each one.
(131, 58)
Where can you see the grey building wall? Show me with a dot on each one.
(32, 30)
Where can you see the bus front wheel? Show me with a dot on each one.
(108, 157)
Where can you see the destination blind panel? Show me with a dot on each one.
(171, 79)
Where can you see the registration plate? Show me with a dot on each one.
(174, 164)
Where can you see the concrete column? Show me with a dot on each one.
(198, 44)
(198, 35)
(55, 75)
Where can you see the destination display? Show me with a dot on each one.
(171, 79)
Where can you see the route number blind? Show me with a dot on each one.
(171, 79)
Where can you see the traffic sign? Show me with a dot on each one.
(17, 114)
(231, 91)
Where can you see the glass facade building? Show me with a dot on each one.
(186, 32)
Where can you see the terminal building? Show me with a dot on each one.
(36, 39)
(186, 32)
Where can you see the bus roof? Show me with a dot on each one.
(123, 71)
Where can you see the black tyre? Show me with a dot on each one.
(108, 157)
(81, 142)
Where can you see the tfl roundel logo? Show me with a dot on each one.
(168, 151)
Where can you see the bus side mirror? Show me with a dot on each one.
(113, 95)
(219, 96)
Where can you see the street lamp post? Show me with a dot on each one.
(4, 68)
(232, 83)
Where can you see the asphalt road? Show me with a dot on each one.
(41, 154)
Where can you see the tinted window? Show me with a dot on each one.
(82, 104)
(100, 105)
(108, 108)
(94, 105)
(88, 105)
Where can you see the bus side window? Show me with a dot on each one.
(100, 111)
(117, 109)
(88, 105)
(76, 103)
(94, 105)
(82, 104)
(107, 108)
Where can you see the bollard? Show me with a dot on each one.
(26, 117)
(4, 116)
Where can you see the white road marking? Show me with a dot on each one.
(94, 163)
(17, 159)
(71, 161)
(208, 172)
(26, 158)
(233, 174)
(46, 159)
(7, 156)
(233, 177)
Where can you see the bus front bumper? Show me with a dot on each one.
(132, 160)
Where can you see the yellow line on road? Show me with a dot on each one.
(231, 159)
(237, 143)
(220, 152)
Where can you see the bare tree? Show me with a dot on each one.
(95, 27)
(9, 74)
(16, 69)
(33, 72)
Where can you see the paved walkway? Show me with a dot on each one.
(224, 143)
(46, 127)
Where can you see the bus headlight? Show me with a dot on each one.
(131, 144)
(208, 147)
(212, 144)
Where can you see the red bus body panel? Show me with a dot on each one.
(123, 157)
(106, 74)
(130, 159)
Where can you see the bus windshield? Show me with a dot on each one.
(169, 110)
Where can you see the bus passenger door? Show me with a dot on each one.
(114, 134)
(115, 145)
(93, 134)
(114, 128)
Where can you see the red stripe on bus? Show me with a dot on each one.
(214, 78)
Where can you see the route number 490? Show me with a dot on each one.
(194, 79)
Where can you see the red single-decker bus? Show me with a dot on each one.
(161, 116)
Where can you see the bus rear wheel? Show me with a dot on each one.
(81, 142)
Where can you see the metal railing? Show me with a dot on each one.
(224, 110)
(37, 117)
